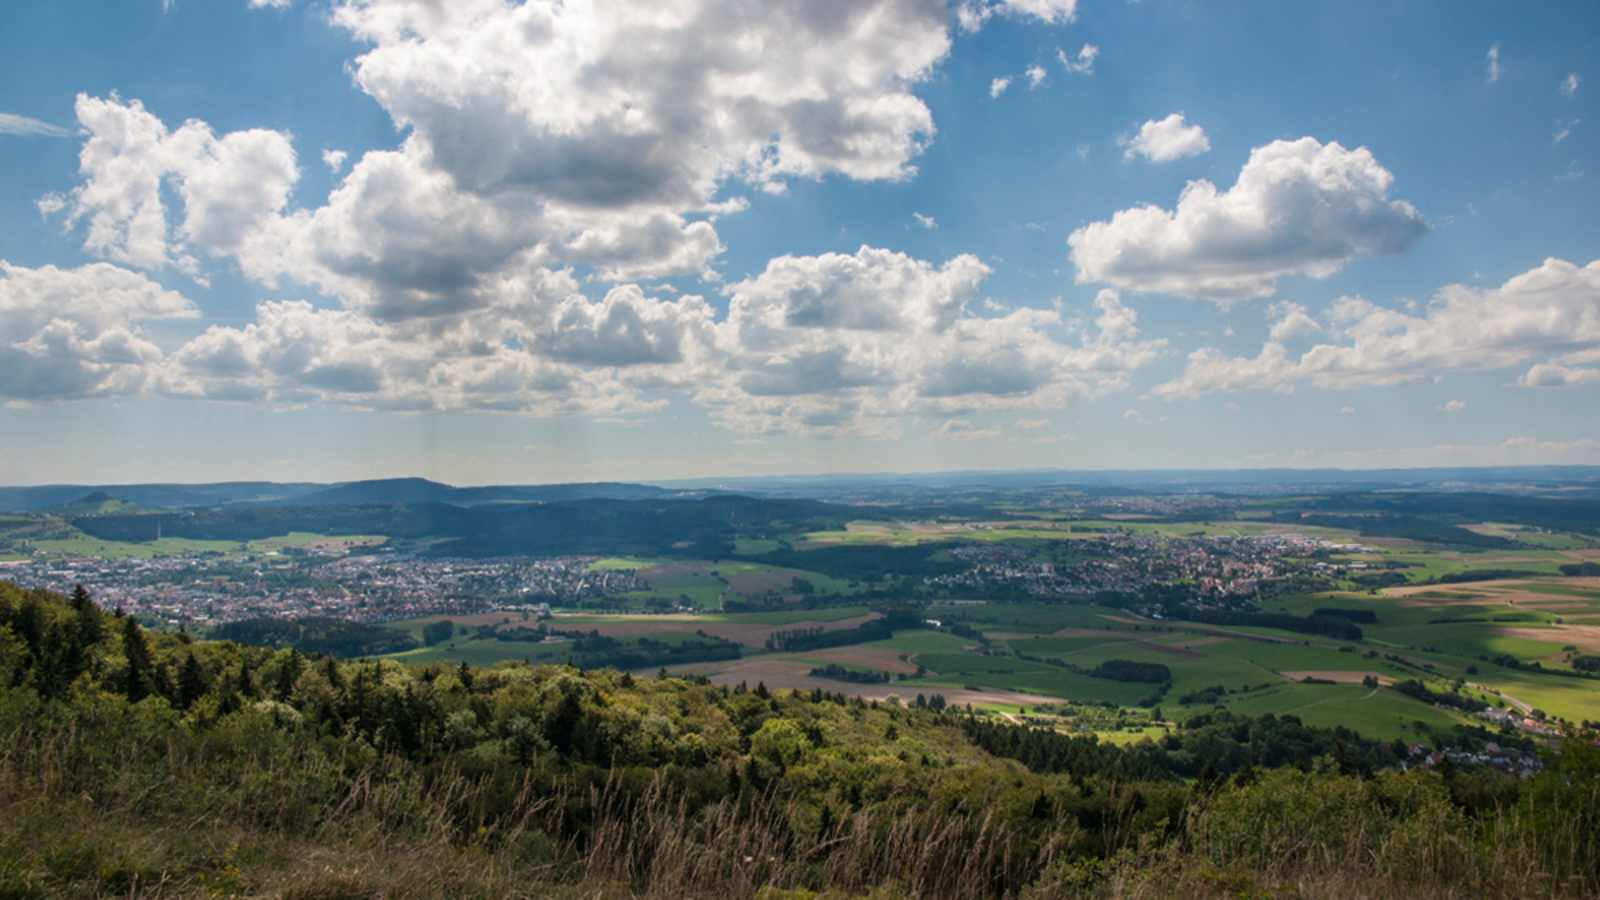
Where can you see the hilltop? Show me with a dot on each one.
(140, 761)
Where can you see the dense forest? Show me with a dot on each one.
(704, 527)
(138, 763)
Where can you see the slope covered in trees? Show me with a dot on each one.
(138, 763)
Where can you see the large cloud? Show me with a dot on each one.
(627, 102)
(230, 186)
(542, 349)
(550, 146)
(845, 343)
(73, 333)
(1548, 316)
(591, 134)
(1298, 208)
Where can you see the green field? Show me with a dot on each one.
(1376, 713)
(89, 546)
(1484, 637)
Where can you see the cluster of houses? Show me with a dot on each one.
(202, 590)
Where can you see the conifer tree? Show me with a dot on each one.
(87, 628)
(330, 668)
(139, 678)
(246, 683)
(191, 682)
(288, 674)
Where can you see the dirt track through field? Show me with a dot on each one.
(1103, 633)
(1336, 676)
(749, 634)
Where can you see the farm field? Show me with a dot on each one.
(749, 629)
(705, 584)
(85, 545)
(1037, 652)
(1518, 638)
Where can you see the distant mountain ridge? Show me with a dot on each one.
(386, 491)
(155, 496)
(374, 492)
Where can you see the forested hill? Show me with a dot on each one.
(595, 525)
(138, 763)
(381, 491)
(420, 490)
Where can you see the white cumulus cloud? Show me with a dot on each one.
(1166, 140)
(1548, 316)
(229, 186)
(73, 333)
(1298, 208)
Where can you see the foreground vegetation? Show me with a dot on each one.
(136, 763)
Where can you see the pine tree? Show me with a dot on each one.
(191, 682)
(138, 678)
(288, 674)
(87, 627)
(246, 684)
(330, 668)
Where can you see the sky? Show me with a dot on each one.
(489, 241)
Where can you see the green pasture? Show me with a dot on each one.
(1382, 714)
(90, 546)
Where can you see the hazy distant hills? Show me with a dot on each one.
(1558, 480)
(1114, 481)
(421, 490)
(74, 499)
(154, 496)
(585, 525)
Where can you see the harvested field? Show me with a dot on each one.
(1545, 601)
(1489, 587)
(884, 659)
(1586, 637)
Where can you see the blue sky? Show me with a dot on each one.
(497, 242)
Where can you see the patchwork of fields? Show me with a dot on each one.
(1504, 641)
(1513, 639)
